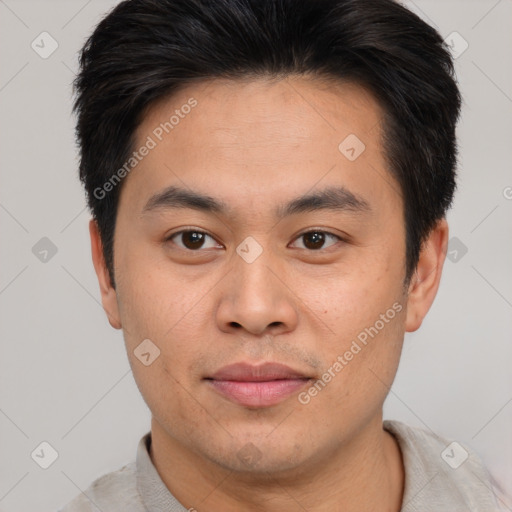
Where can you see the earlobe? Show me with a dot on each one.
(108, 292)
(425, 280)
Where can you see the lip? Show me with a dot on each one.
(255, 386)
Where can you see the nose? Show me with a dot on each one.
(257, 299)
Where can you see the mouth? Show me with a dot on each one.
(258, 386)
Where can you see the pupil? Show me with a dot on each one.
(193, 239)
(314, 240)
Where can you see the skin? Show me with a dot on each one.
(257, 144)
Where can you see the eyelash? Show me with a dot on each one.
(195, 230)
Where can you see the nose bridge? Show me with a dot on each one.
(254, 282)
(255, 299)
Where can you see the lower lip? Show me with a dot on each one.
(258, 394)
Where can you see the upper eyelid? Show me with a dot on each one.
(302, 233)
(190, 230)
(328, 233)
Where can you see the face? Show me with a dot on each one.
(259, 230)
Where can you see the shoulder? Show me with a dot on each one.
(112, 492)
(441, 475)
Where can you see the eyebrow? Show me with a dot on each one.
(330, 198)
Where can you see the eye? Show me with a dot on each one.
(193, 239)
(315, 240)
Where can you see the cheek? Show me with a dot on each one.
(165, 393)
(365, 314)
(154, 301)
(358, 374)
(350, 303)
(163, 309)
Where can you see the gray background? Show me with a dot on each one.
(64, 374)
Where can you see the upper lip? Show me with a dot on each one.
(245, 372)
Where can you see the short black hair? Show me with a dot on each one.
(146, 50)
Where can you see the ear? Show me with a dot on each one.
(425, 280)
(108, 292)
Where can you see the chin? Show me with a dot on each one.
(259, 455)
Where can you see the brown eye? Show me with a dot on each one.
(315, 240)
(192, 240)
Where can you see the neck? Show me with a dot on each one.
(365, 473)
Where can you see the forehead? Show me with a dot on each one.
(263, 135)
(293, 108)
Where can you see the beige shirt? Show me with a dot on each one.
(439, 477)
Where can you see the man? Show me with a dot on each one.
(269, 181)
